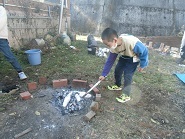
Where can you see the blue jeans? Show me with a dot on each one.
(126, 65)
(5, 49)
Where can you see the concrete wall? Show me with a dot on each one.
(137, 17)
(29, 19)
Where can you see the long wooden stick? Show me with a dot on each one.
(22, 133)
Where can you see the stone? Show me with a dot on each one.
(98, 97)
(89, 116)
(94, 106)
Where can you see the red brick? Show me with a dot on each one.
(25, 95)
(79, 83)
(42, 80)
(95, 89)
(32, 86)
(59, 83)
(89, 116)
(94, 106)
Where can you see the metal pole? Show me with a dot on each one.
(61, 14)
(49, 11)
(3, 3)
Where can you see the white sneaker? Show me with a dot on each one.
(22, 76)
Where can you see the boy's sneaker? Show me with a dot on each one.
(22, 76)
(123, 98)
(114, 87)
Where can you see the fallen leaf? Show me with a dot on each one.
(37, 113)
(11, 114)
(156, 122)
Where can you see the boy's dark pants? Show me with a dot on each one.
(6, 50)
(126, 65)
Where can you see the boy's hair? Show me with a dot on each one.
(109, 34)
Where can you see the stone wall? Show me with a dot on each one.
(137, 17)
(29, 19)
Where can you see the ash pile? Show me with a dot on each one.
(69, 101)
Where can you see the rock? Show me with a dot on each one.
(37, 113)
(48, 37)
(66, 39)
(40, 42)
(156, 122)
(12, 114)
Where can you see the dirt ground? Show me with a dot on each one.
(153, 113)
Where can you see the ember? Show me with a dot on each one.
(69, 101)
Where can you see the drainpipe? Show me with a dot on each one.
(3, 3)
(61, 13)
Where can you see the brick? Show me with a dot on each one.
(174, 49)
(166, 49)
(25, 95)
(32, 86)
(89, 116)
(98, 97)
(161, 47)
(95, 90)
(42, 80)
(60, 83)
(150, 45)
(94, 106)
(79, 83)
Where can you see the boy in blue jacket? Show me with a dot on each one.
(132, 53)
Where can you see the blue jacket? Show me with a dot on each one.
(140, 50)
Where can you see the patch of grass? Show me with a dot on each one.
(64, 61)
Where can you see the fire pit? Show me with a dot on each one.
(71, 101)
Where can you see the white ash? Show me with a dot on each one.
(69, 101)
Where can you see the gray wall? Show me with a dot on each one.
(30, 19)
(137, 17)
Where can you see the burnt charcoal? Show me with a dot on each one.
(60, 97)
(7, 89)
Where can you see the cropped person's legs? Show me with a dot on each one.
(6, 50)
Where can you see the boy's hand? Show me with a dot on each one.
(101, 78)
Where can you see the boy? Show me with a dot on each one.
(4, 44)
(132, 52)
